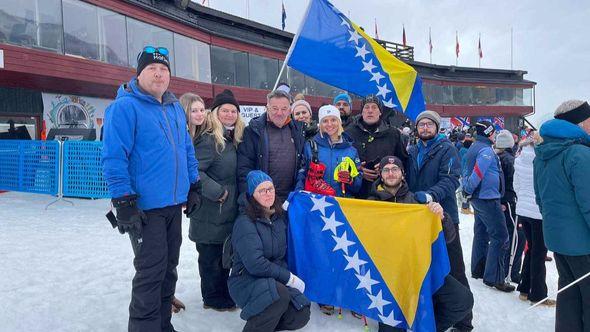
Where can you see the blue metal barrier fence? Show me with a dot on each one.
(29, 166)
(34, 166)
(82, 169)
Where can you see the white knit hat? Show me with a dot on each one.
(504, 139)
(328, 110)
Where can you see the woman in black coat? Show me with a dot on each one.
(213, 220)
(271, 297)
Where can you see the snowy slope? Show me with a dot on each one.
(66, 269)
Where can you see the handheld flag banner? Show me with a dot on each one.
(331, 48)
(383, 260)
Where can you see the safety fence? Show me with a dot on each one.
(71, 168)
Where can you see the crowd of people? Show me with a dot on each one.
(161, 154)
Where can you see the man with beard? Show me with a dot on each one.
(434, 169)
(453, 302)
(344, 104)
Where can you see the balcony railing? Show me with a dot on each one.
(400, 51)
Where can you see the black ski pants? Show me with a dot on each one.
(573, 304)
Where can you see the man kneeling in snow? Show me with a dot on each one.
(453, 301)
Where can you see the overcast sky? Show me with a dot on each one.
(551, 38)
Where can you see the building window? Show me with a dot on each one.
(32, 23)
(141, 34)
(229, 67)
(192, 58)
(263, 72)
(80, 29)
(296, 81)
(112, 42)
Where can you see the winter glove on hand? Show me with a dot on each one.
(296, 283)
(422, 197)
(466, 196)
(130, 219)
(344, 177)
(194, 198)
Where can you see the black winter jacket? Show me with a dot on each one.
(385, 141)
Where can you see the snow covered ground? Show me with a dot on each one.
(66, 269)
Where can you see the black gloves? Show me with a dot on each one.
(130, 219)
(193, 201)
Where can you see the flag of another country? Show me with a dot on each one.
(379, 259)
(331, 48)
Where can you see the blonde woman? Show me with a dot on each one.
(213, 221)
(196, 114)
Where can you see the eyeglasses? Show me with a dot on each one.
(393, 169)
(162, 50)
(263, 191)
(425, 125)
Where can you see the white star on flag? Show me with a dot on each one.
(383, 90)
(362, 51)
(389, 103)
(342, 243)
(390, 320)
(344, 22)
(354, 262)
(354, 36)
(320, 204)
(331, 223)
(378, 302)
(365, 281)
(369, 66)
(377, 76)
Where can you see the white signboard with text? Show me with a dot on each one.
(250, 112)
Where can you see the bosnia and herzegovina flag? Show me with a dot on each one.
(331, 48)
(379, 259)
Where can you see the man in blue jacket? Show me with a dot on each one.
(483, 181)
(150, 168)
(562, 190)
(434, 169)
(272, 143)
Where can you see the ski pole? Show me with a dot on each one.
(562, 289)
(514, 243)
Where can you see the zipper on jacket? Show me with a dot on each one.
(173, 150)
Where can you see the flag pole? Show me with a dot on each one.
(292, 45)
(479, 50)
(430, 43)
(511, 48)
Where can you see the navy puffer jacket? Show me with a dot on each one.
(260, 246)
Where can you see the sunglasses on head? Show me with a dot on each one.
(162, 50)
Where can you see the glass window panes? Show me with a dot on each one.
(32, 23)
(80, 29)
(296, 82)
(192, 58)
(318, 88)
(112, 42)
(263, 72)
(140, 35)
(229, 67)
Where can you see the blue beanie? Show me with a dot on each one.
(255, 178)
(342, 96)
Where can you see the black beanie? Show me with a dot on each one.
(372, 99)
(574, 111)
(391, 160)
(225, 97)
(484, 128)
(144, 59)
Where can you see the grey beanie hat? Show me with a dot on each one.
(504, 139)
(574, 111)
(432, 115)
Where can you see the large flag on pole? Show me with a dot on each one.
(331, 48)
(382, 260)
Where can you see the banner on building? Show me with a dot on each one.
(70, 111)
